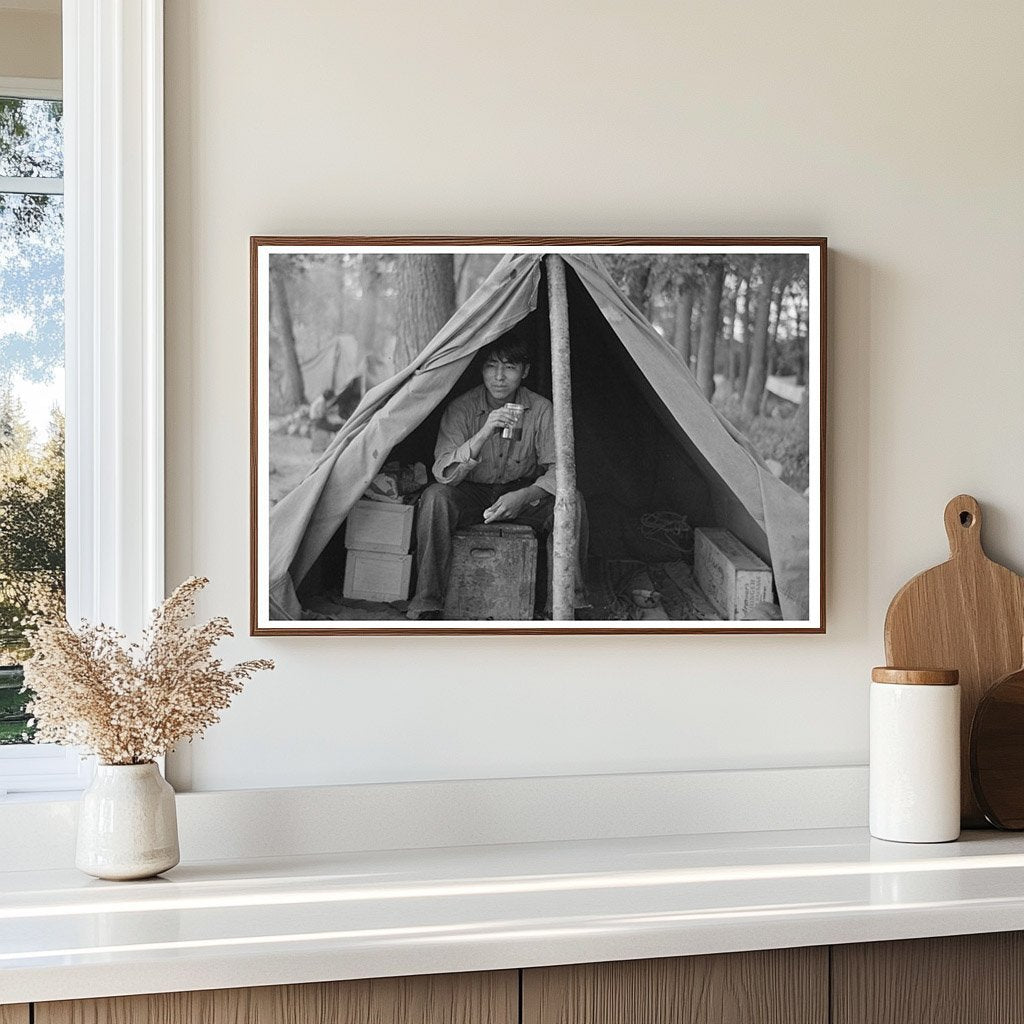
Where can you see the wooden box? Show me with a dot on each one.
(377, 576)
(732, 577)
(493, 573)
(379, 526)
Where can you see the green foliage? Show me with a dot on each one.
(780, 438)
(31, 146)
(31, 525)
(31, 242)
(14, 719)
(31, 138)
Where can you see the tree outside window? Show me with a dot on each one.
(32, 543)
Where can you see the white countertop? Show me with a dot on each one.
(225, 924)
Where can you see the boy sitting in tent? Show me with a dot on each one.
(484, 476)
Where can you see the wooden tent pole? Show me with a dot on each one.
(563, 583)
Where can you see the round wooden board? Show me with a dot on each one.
(997, 752)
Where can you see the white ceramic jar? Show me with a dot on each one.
(127, 823)
(915, 755)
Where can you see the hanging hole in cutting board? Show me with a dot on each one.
(966, 519)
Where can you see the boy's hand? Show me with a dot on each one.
(508, 506)
(498, 419)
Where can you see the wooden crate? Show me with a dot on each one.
(732, 577)
(493, 573)
(377, 576)
(379, 526)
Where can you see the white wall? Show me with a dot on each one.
(894, 129)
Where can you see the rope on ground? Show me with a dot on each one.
(668, 528)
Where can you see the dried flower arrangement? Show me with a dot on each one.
(130, 703)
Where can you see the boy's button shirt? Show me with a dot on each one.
(501, 460)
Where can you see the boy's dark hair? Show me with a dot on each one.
(509, 349)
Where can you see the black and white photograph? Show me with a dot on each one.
(537, 435)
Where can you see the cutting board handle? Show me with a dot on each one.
(963, 526)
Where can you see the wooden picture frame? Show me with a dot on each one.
(682, 452)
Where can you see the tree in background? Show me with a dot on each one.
(288, 391)
(757, 371)
(369, 305)
(31, 351)
(425, 300)
(31, 523)
(682, 321)
(710, 324)
(735, 319)
(31, 243)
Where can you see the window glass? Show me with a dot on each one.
(31, 138)
(31, 388)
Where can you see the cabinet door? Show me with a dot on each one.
(778, 986)
(962, 979)
(14, 1014)
(490, 998)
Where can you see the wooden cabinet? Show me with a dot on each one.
(968, 979)
(962, 979)
(491, 998)
(777, 986)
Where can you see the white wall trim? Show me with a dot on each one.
(32, 186)
(114, 328)
(42, 768)
(32, 88)
(246, 824)
(113, 90)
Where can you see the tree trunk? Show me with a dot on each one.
(724, 357)
(563, 572)
(369, 287)
(695, 320)
(681, 328)
(778, 299)
(709, 327)
(637, 277)
(461, 263)
(803, 341)
(291, 391)
(425, 299)
(749, 310)
(737, 332)
(757, 372)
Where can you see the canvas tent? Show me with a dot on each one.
(336, 365)
(645, 434)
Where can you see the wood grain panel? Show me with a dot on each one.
(482, 998)
(967, 614)
(962, 979)
(778, 986)
(14, 1014)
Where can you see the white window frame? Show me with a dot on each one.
(114, 324)
(31, 89)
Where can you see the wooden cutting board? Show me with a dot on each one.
(967, 614)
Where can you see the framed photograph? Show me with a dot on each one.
(537, 435)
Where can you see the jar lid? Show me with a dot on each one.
(916, 676)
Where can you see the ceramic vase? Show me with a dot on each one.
(127, 825)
